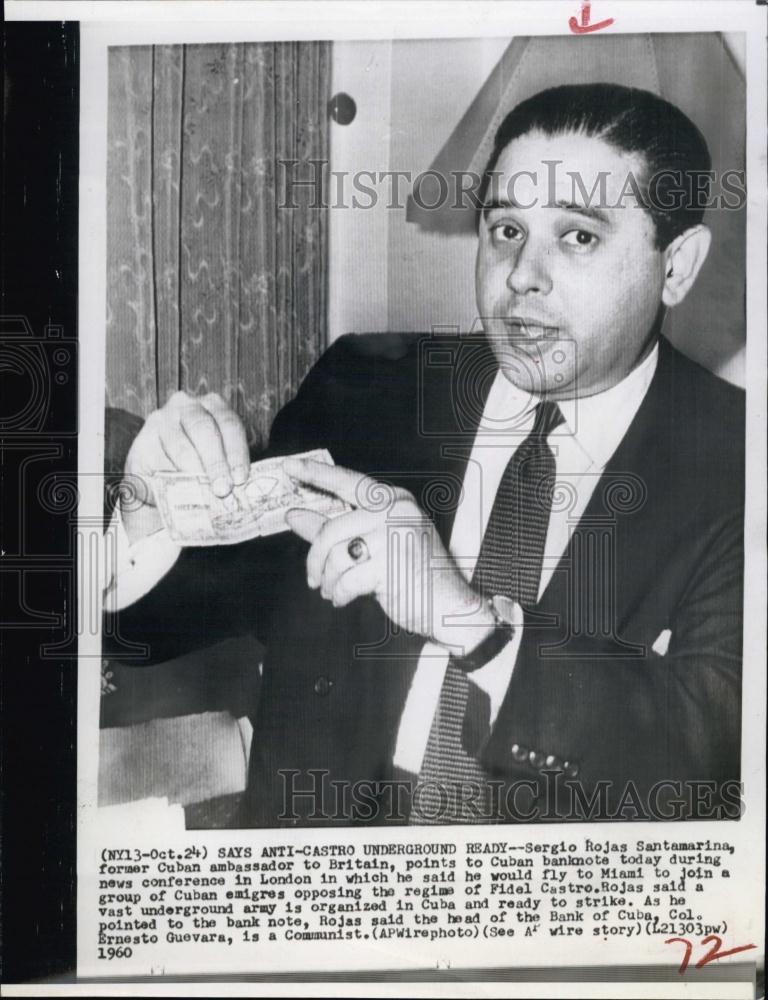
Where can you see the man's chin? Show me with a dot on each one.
(534, 366)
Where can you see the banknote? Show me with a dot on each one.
(194, 515)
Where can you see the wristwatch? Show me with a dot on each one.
(503, 611)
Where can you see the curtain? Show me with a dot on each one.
(211, 284)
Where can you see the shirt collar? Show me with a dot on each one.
(596, 423)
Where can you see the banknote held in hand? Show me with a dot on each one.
(194, 515)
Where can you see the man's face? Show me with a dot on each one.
(567, 293)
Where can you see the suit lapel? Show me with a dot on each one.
(642, 459)
(625, 515)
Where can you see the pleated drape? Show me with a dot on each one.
(213, 284)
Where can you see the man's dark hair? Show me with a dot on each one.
(674, 186)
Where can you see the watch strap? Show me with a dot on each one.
(490, 647)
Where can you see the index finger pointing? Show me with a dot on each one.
(353, 487)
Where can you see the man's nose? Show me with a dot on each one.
(529, 271)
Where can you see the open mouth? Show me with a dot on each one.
(529, 329)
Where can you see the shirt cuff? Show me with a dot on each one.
(419, 709)
(133, 570)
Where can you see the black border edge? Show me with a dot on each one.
(38, 441)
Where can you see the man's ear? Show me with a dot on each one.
(683, 260)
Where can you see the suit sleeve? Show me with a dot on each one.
(213, 593)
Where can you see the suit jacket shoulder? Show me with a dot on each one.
(704, 405)
(358, 376)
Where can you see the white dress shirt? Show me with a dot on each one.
(592, 430)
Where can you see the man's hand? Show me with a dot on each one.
(407, 568)
(197, 434)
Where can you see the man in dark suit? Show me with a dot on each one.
(533, 609)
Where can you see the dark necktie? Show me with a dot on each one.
(453, 787)
(512, 551)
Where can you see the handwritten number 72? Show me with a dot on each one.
(712, 955)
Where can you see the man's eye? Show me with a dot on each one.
(506, 232)
(580, 239)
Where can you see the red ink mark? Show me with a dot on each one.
(583, 26)
(713, 955)
(714, 952)
(686, 956)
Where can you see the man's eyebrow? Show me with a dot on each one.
(489, 206)
(588, 211)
